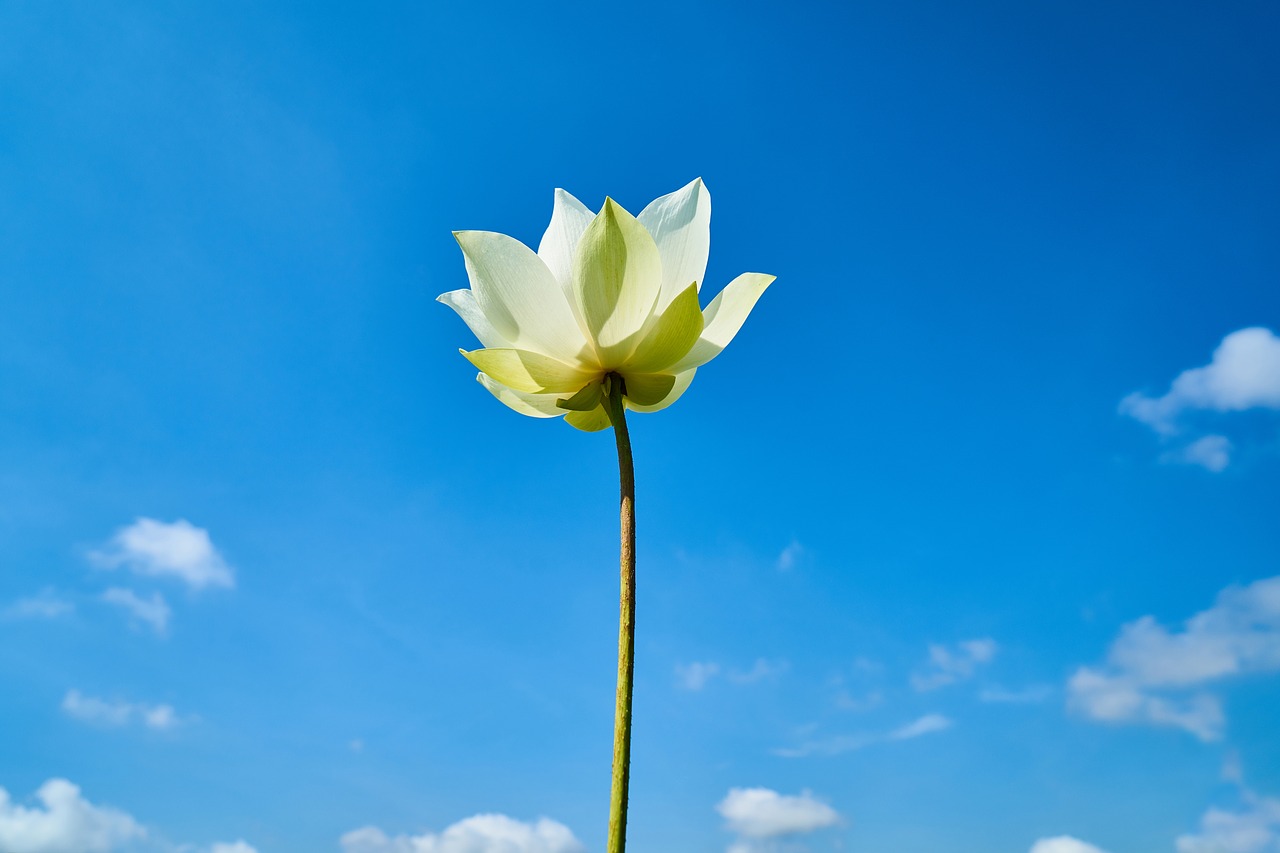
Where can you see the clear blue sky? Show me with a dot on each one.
(896, 543)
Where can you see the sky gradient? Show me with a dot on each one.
(967, 543)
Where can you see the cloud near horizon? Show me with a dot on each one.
(482, 833)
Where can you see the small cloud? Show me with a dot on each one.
(760, 813)
(846, 701)
(64, 820)
(356, 746)
(694, 676)
(948, 665)
(1064, 844)
(116, 714)
(762, 669)
(1253, 828)
(790, 556)
(233, 847)
(157, 549)
(46, 604)
(1212, 452)
(838, 744)
(1243, 374)
(484, 833)
(153, 611)
(1025, 696)
(927, 724)
(1157, 676)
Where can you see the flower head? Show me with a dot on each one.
(606, 295)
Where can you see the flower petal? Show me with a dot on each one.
(648, 388)
(520, 297)
(569, 218)
(464, 303)
(617, 275)
(677, 389)
(533, 372)
(592, 421)
(670, 335)
(725, 316)
(533, 405)
(680, 223)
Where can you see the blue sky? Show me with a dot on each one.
(967, 543)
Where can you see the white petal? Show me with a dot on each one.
(725, 316)
(533, 405)
(680, 223)
(520, 297)
(569, 218)
(682, 385)
(464, 303)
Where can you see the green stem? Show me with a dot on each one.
(626, 622)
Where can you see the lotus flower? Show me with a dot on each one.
(606, 294)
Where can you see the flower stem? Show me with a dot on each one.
(626, 622)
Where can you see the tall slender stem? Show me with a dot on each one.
(626, 622)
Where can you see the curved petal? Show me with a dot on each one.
(532, 372)
(725, 316)
(592, 421)
(569, 218)
(677, 389)
(585, 400)
(617, 275)
(533, 405)
(648, 388)
(520, 297)
(464, 303)
(680, 223)
(670, 335)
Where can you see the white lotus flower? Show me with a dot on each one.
(605, 293)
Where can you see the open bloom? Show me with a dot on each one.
(606, 293)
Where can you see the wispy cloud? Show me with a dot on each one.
(694, 676)
(1157, 676)
(153, 611)
(1244, 373)
(46, 604)
(1064, 844)
(952, 664)
(177, 550)
(758, 815)
(480, 834)
(761, 670)
(1024, 696)
(790, 556)
(1252, 827)
(838, 744)
(116, 713)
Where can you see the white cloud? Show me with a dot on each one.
(155, 549)
(948, 665)
(761, 670)
(1253, 829)
(928, 724)
(1156, 676)
(1064, 844)
(46, 604)
(484, 833)
(234, 847)
(694, 676)
(1025, 696)
(153, 611)
(1212, 452)
(115, 713)
(790, 556)
(1244, 374)
(63, 822)
(757, 813)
